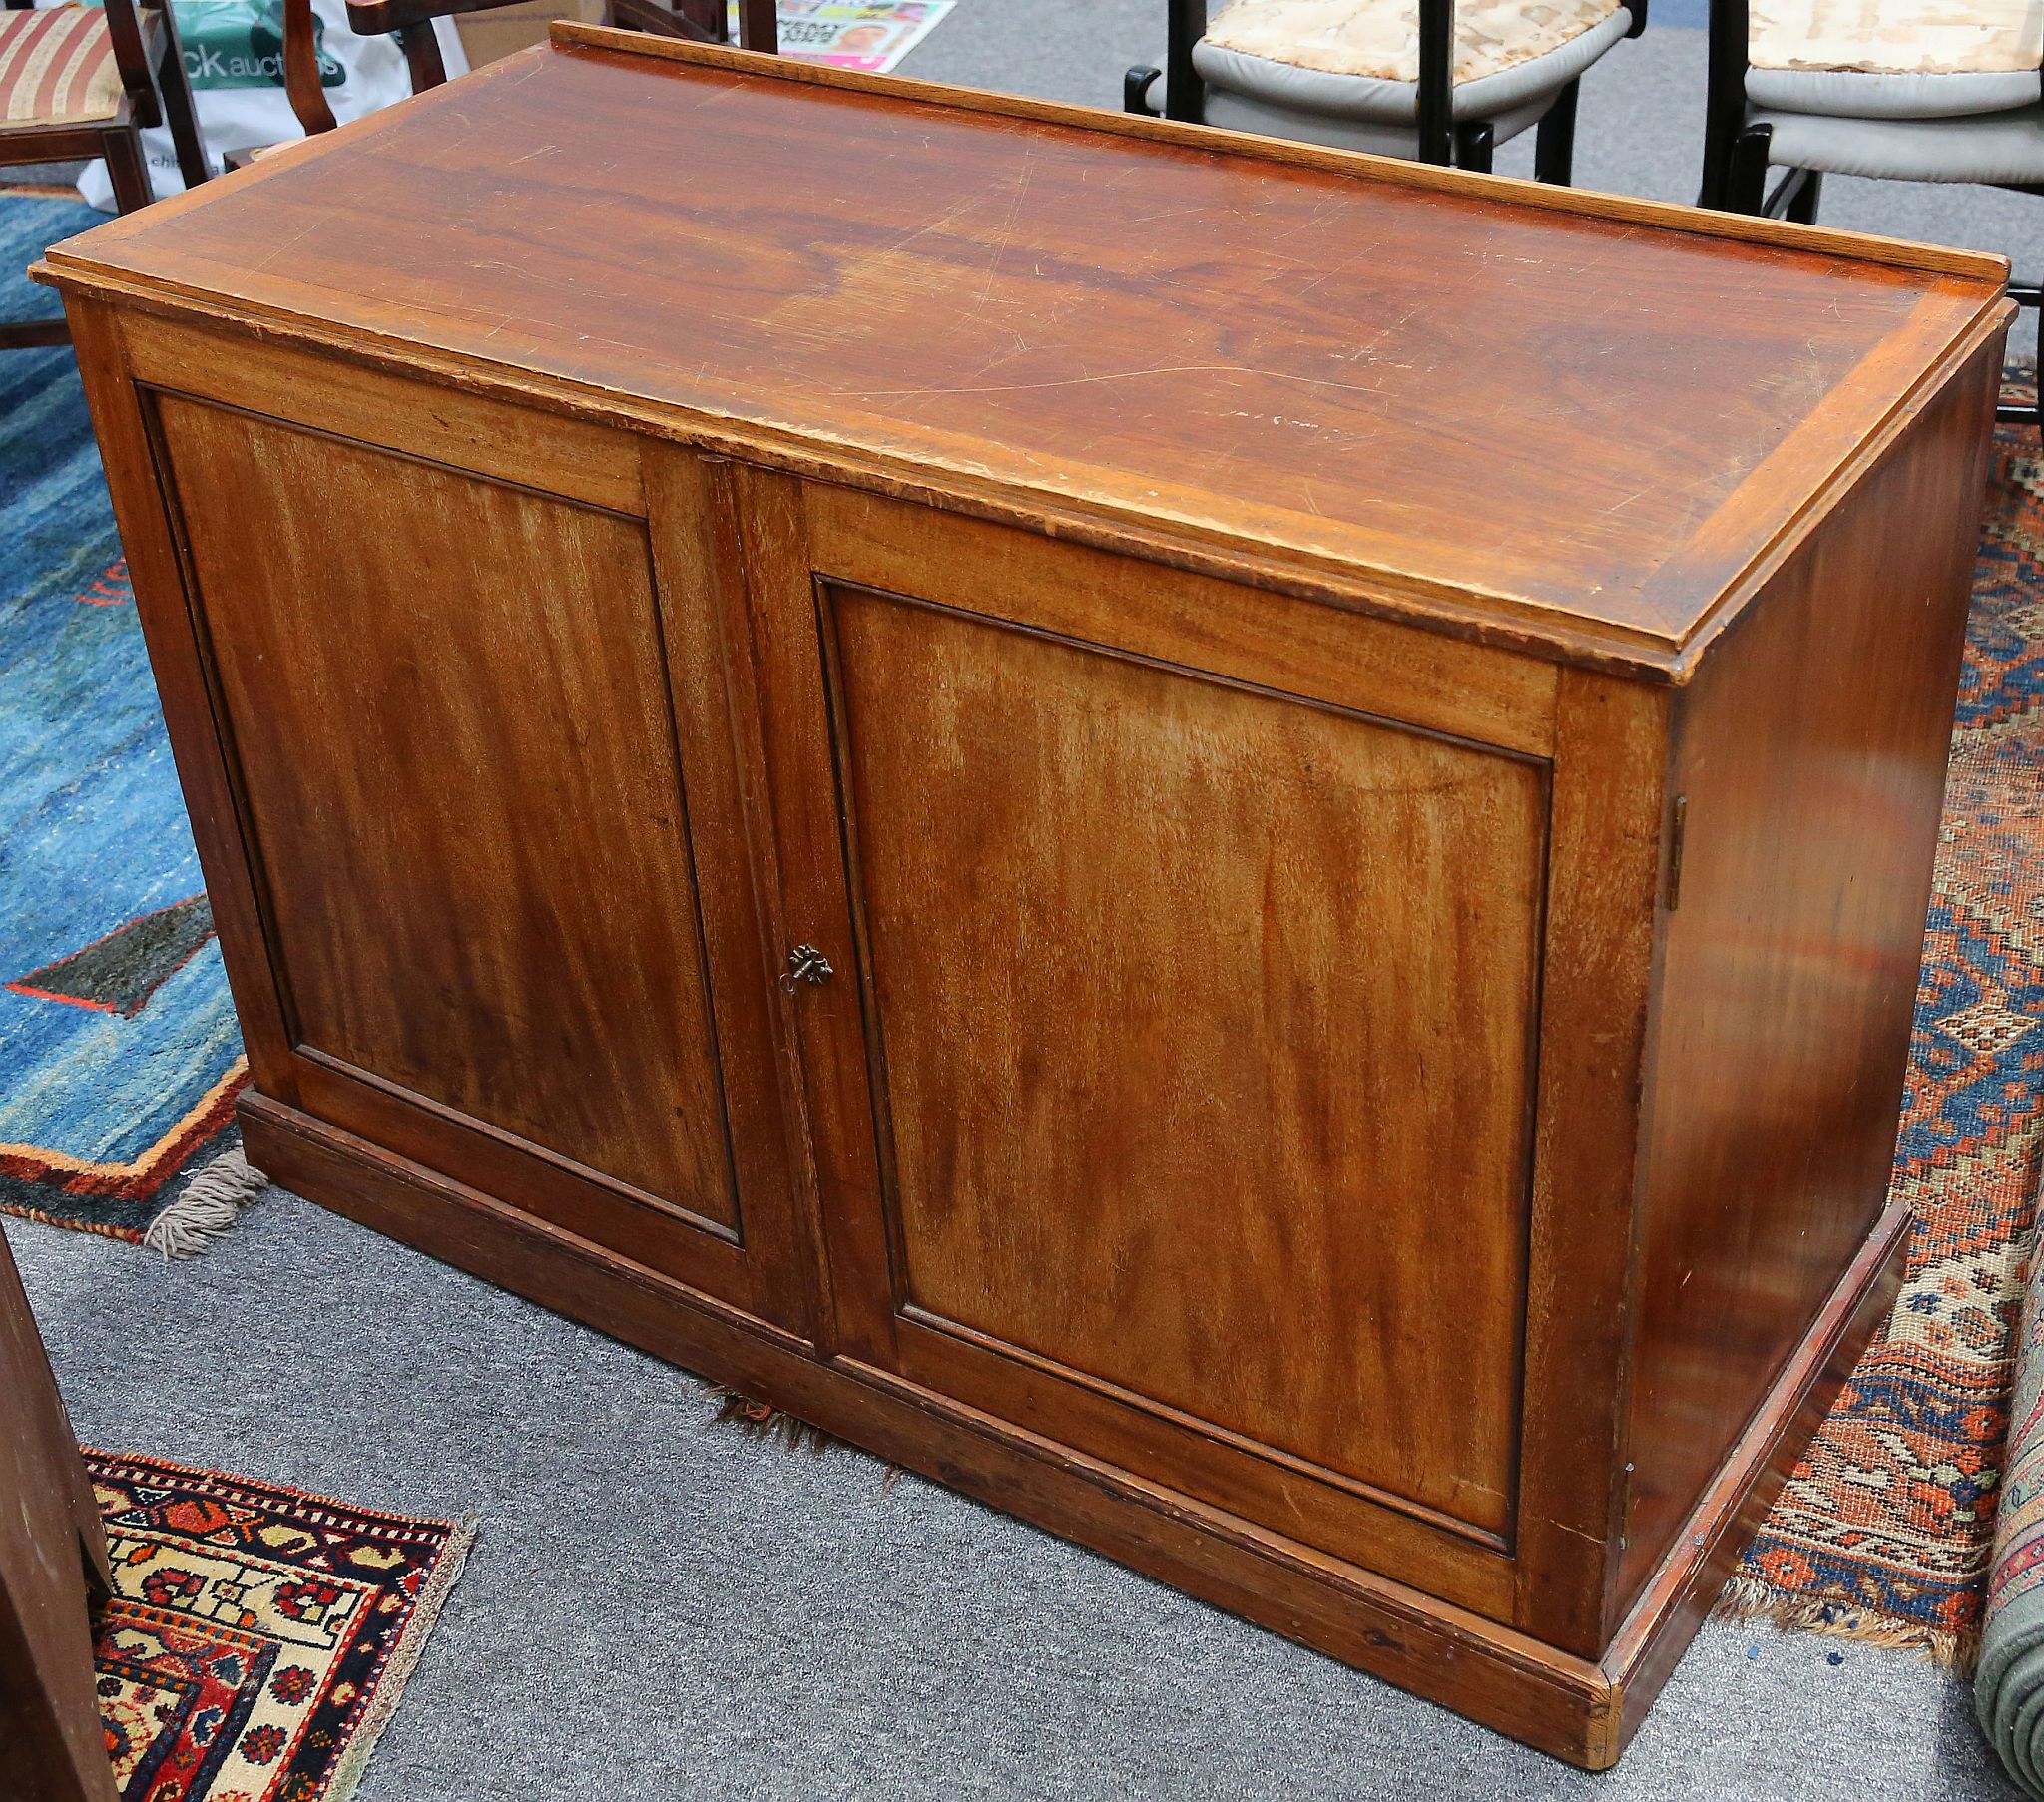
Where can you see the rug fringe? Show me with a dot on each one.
(766, 1421)
(1749, 1599)
(769, 1422)
(207, 1206)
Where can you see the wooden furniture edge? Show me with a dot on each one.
(1476, 615)
(1492, 1674)
(1487, 615)
(286, 153)
(1678, 1597)
(1992, 307)
(1989, 322)
(1667, 214)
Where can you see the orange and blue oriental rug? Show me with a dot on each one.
(1884, 1528)
(259, 1639)
(118, 1042)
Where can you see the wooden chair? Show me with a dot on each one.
(1402, 78)
(411, 23)
(1902, 90)
(82, 80)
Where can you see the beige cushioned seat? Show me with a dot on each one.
(1894, 59)
(1338, 80)
(1380, 38)
(1898, 37)
(57, 67)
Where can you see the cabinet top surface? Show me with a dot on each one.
(1584, 415)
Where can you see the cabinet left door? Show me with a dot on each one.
(447, 688)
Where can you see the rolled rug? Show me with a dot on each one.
(2008, 1686)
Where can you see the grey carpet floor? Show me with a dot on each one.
(659, 1606)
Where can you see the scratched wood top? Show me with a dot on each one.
(1585, 422)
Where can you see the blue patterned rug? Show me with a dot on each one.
(118, 1042)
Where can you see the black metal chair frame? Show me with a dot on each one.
(156, 92)
(1469, 145)
(1736, 168)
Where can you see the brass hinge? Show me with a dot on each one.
(1676, 831)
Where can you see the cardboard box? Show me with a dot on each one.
(503, 29)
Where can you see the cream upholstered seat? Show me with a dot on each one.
(1901, 89)
(1846, 85)
(57, 67)
(1380, 38)
(1352, 71)
(1916, 89)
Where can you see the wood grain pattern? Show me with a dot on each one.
(1651, 1640)
(496, 989)
(1490, 1673)
(1325, 654)
(1810, 748)
(1610, 755)
(572, 458)
(1582, 1713)
(142, 512)
(500, 993)
(1154, 966)
(1132, 325)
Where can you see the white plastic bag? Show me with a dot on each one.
(234, 57)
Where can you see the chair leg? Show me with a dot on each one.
(1554, 138)
(179, 113)
(1802, 205)
(127, 169)
(1136, 85)
(1474, 144)
(2007, 412)
(1745, 182)
(656, 19)
(707, 19)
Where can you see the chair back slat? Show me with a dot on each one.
(302, 84)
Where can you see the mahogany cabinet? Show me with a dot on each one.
(1224, 841)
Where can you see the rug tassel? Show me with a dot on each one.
(1747, 1599)
(207, 1206)
(769, 1422)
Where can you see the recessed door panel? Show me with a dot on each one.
(467, 784)
(1201, 1020)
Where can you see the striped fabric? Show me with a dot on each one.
(57, 67)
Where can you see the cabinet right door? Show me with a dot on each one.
(1173, 1096)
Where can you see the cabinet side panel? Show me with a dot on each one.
(1809, 759)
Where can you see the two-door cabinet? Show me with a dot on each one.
(1221, 840)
